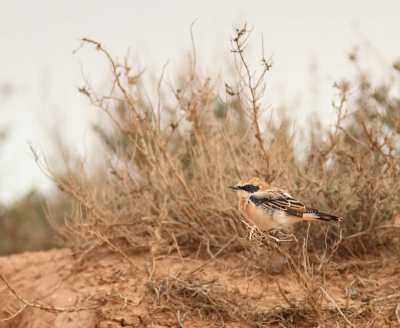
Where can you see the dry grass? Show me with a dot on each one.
(166, 192)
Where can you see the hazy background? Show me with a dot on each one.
(39, 102)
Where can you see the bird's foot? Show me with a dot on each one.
(267, 238)
(252, 231)
(272, 236)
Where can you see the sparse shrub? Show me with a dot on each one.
(169, 167)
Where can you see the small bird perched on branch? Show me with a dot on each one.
(270, 208)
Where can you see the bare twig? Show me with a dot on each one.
(256, 88)
(193, 272)
(15, 314)
(329, 298)
(116, 248)
(48, 308)
(283, 294)
(384, 298)
(262, 240)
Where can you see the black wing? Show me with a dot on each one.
(280, 201)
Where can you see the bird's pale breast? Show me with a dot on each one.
(264, 219)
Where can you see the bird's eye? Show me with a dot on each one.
(250, 188)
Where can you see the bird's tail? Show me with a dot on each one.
(313, 214)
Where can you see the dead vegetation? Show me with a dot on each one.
(165, 193)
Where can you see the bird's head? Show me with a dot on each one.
(248, 186)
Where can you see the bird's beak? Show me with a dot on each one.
(234, 187)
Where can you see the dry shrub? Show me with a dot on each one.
(170, 164)
(214, 302)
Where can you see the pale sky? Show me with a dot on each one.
(39, 75)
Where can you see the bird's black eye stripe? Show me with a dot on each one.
(250, 188)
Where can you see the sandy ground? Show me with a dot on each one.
(126, 297)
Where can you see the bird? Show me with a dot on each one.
(270, 208)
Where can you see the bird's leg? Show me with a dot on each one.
(274, 238)
(275, 234)
(281, 233)
(271, 235)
